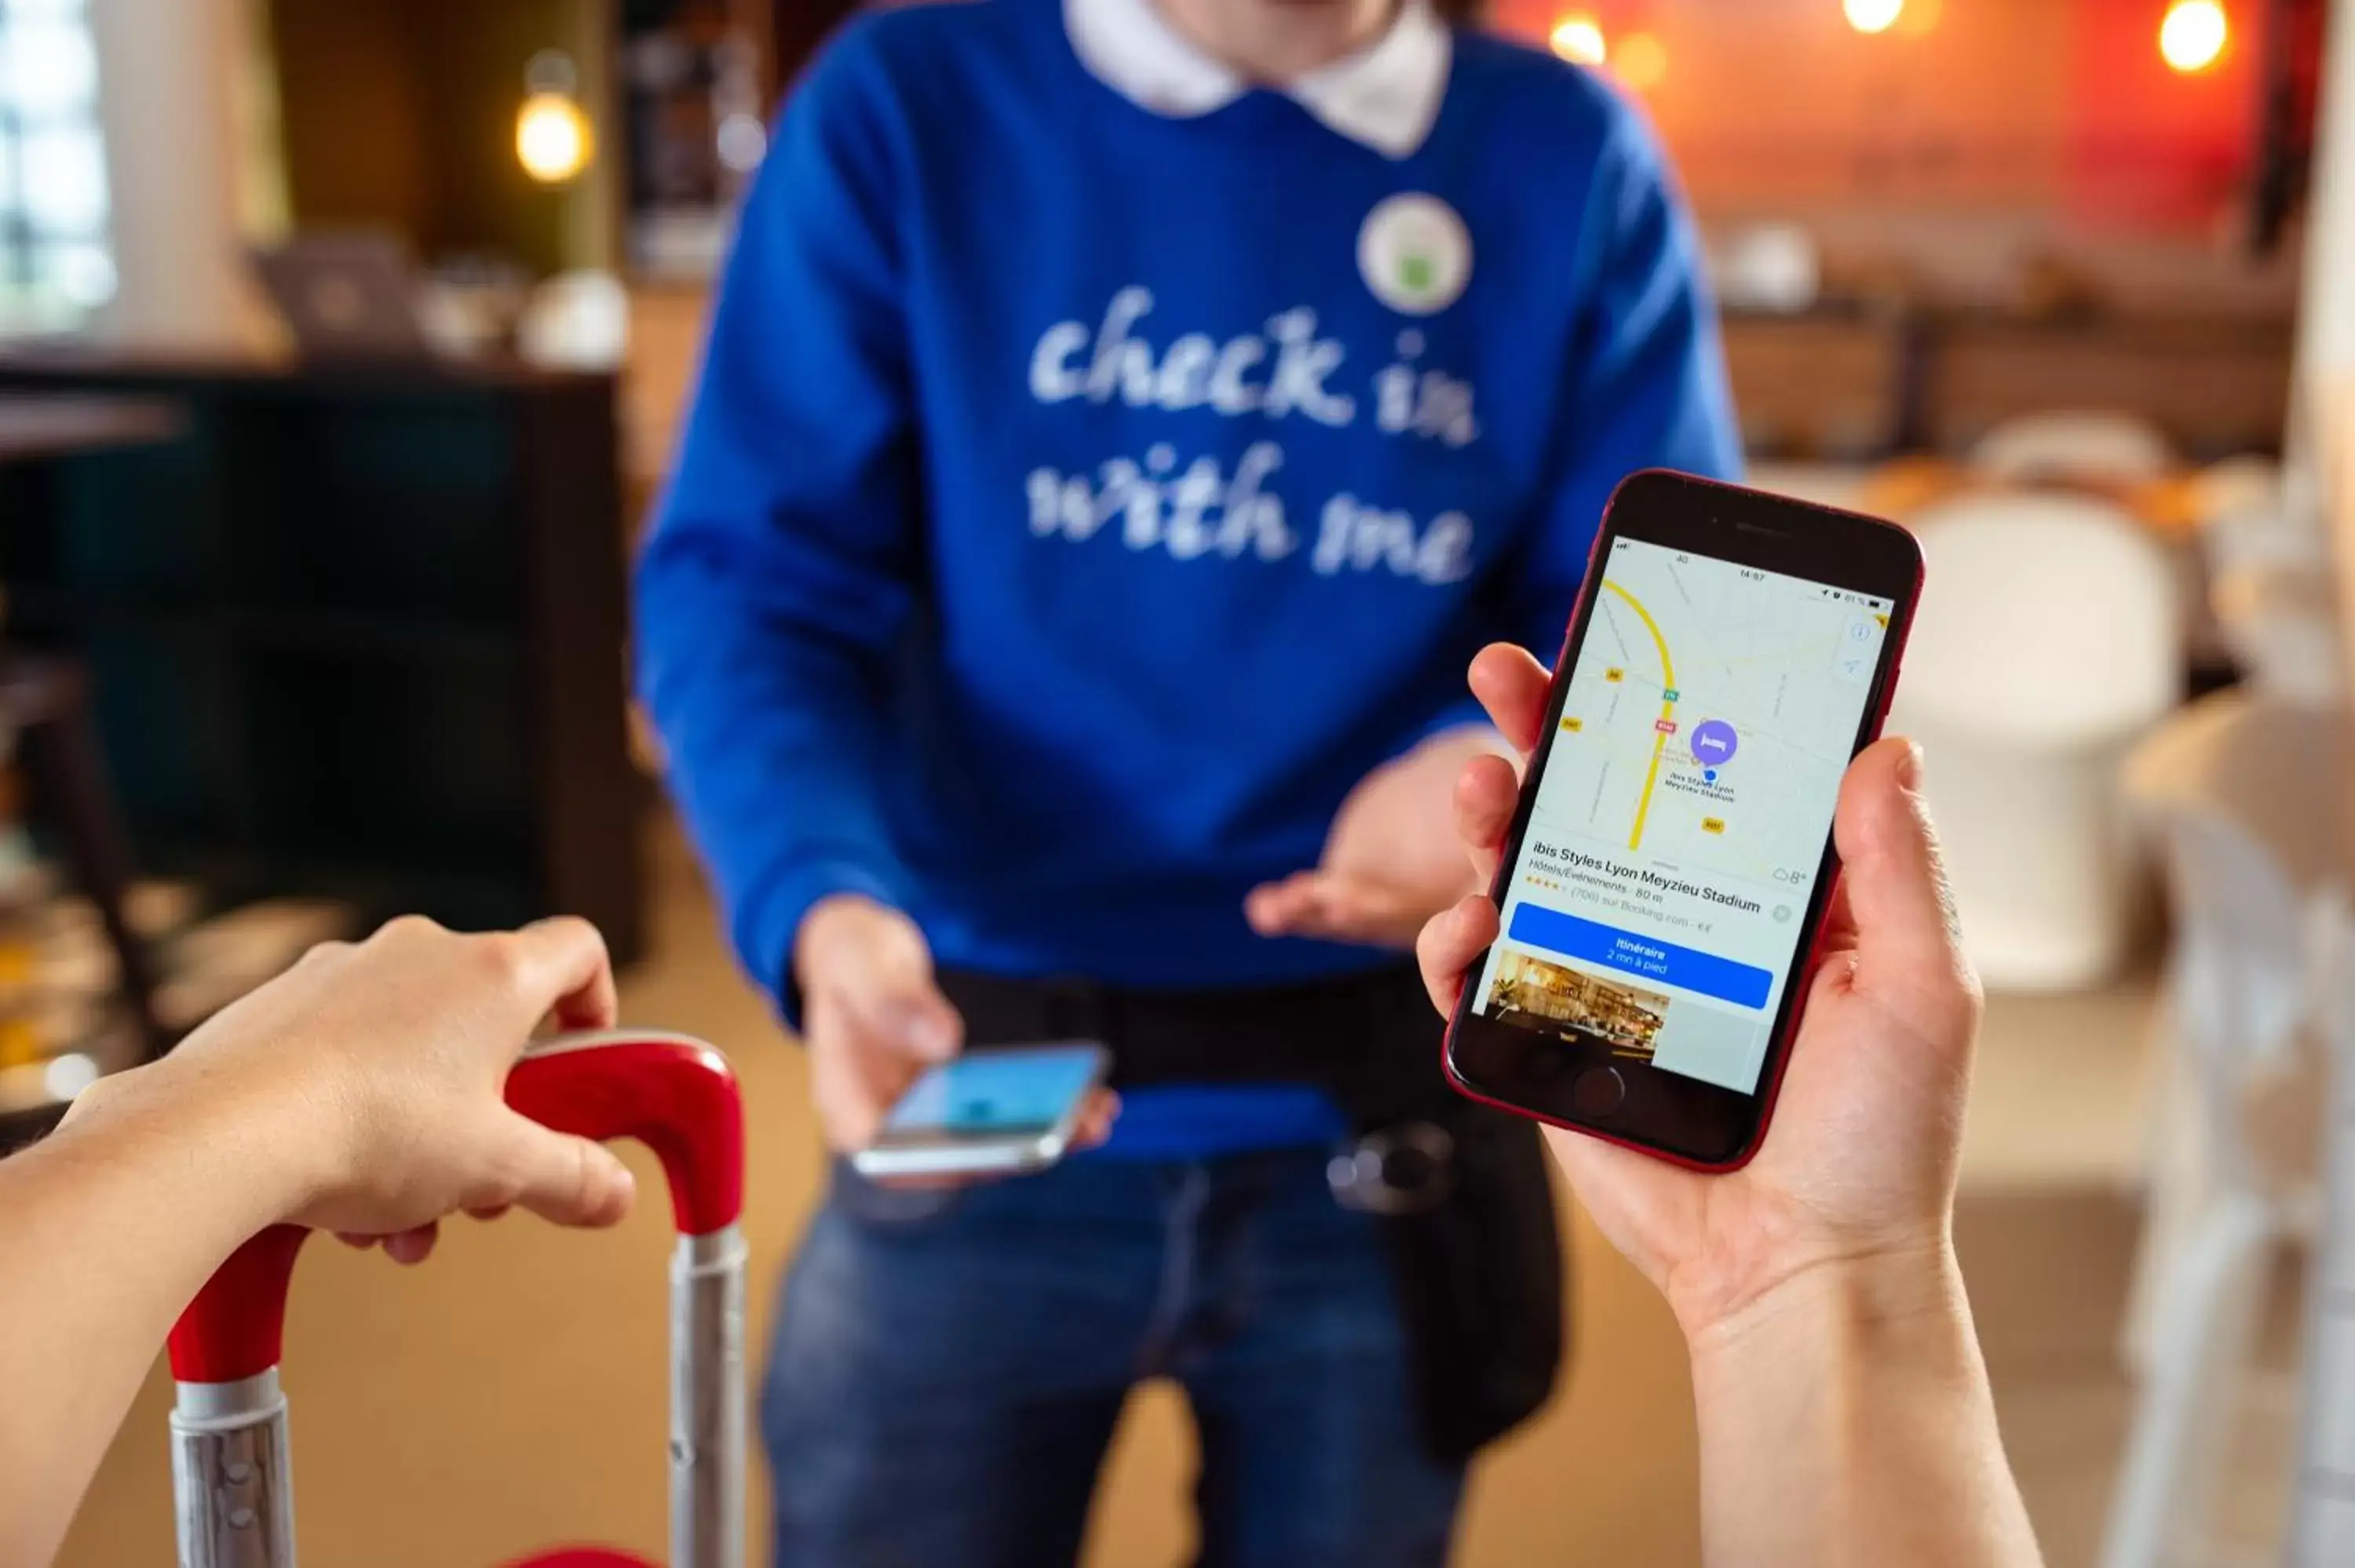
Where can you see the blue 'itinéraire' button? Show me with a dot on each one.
(1642, 957)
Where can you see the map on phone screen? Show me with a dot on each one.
(1674, 841)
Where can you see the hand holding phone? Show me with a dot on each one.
(1816, 1286)
(1868, 1125)
(1670, 865)
(1869, 1108)
(878, 1028)
(873, 1018)
(1005, 1111)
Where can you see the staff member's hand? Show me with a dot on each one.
(1857, 1170)
(875, 1021)
(1389, 863)
(871, 1016)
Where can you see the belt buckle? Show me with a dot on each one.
(1409, 1169)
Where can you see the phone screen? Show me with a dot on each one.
(997, 1091)
(1663, 883)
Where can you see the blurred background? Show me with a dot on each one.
(342, 347)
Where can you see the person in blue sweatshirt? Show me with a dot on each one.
(1121, 422)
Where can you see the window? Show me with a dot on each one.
(55, 262)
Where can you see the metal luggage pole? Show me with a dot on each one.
(231, 1477)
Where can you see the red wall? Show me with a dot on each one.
(2148, 147)
(2061, 107)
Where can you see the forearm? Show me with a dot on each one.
(759, 707)
(774, 593)
(106, 1229)
(1847, 1420)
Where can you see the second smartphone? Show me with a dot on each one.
(1670, 865)
(1003, 1110)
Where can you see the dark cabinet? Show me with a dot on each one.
(355, 632)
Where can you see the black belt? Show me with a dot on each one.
(1371, 1037)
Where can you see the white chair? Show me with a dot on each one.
(2270, 588)
(2245, 517)
(2049, 639)
(2280, 623)
(2097, 447)
(2246, 794)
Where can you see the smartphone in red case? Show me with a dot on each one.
(1668, 871)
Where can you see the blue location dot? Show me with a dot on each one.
(1709, 774)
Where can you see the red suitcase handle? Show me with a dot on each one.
(676, 1094)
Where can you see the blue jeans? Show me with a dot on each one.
(949, 1367)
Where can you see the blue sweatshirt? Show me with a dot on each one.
(1101, 465)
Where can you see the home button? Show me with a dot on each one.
(1598, 1093)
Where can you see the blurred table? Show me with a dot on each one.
(1846, 485)
(1902, 487)
(35, 427)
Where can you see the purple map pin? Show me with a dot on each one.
(1713, 743)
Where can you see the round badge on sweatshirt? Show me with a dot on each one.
(1415, 254)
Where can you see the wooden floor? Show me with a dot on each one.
(511, 1396)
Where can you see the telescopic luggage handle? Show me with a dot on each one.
(230, 1474)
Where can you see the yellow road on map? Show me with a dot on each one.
(1667, 709)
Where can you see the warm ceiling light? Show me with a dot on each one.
(1921, 16)
(553, 140)
(2194, 35)
(1641, 62)
(1578, 38)
(1873, 16)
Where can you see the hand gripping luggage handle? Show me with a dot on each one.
(676, 1094)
